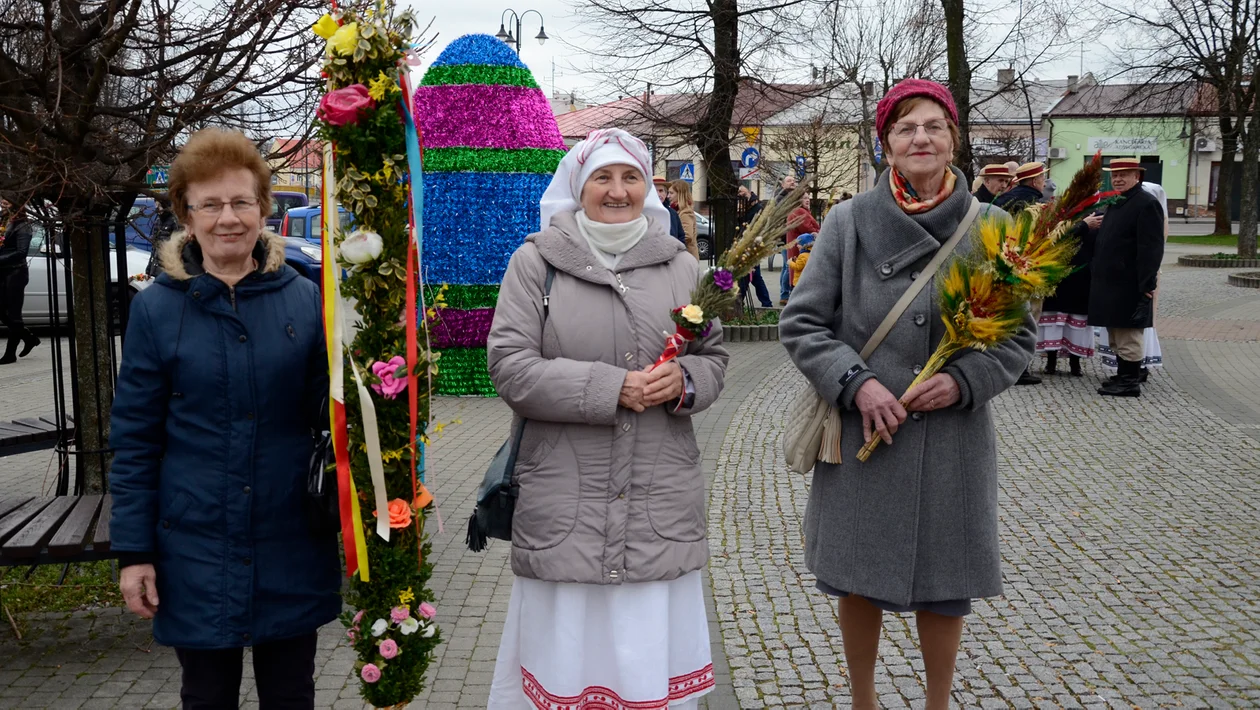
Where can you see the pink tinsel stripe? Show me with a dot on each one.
(475, 116)
(461, 329)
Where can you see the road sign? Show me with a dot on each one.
(879, 151)
(751, 134)
(747, 173)
(800, 165)
(157, 175)
(687, 172)
(750, 158)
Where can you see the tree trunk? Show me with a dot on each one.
(959, 81)
(1250, 173)
(1225, 178)
(94, 360)
(713, 130)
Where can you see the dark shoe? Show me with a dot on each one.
(1126, 383)
(1142, 377)
(10, 351)
(1075, 363)
(1052, 362)
(29, 342)
(783, 301)
(1028, 378)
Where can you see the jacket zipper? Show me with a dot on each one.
(623, 287)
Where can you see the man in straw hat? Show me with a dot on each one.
(994, 181)
(1030, 178)
(1125, 274)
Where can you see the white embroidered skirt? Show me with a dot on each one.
(1065, 331)
(604, 647)
(1152, 355)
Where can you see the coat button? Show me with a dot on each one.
(629, 357)
(886, 269)
(246, 490)
(625, 427)
(917, 416)
(914, 275)
(196, 294)
(621, 496)
(920, 319)
(249, 415)
(166, 525)
(918, 369)
(247, 562)
(588, 268)
(246, 637)
(243, 338)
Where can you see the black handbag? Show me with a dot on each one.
(496, 499)
(323, 508)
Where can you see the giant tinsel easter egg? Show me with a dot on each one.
(490, 147)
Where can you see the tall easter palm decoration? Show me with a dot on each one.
(379, 361)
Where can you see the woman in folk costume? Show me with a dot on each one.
(1064, 323)
(915, 528)
(608, 536)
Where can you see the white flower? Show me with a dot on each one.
(361, 247)
(429, 630)
(409, 626)
(692, 314)
(379, 627)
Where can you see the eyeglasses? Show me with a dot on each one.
(936, 128)
(214, 208)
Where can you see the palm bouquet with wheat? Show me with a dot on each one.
(984, 295)
(717, 290)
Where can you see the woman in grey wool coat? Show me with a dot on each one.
(914, 528)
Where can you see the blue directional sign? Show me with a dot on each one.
(750, 158)
(800, 165)
(879, 151)
(687, 172)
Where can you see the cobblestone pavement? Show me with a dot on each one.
(1129, 538)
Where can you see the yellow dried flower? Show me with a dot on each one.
(345, 39)
(379, 87)
(326, 27)
(406, 597)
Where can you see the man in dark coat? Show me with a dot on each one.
(164, 225)
(1125, 273)
(15, 244)
(751, 208)
(994, 181)
(1030, 178)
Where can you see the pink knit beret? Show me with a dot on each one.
(910, 88)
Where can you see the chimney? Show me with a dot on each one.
(1073, 80)
(1006, 77)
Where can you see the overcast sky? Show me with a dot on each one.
(552, 62)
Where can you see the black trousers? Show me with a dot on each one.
(12, 295)
(283, 670)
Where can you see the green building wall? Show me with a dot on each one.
(1074, 134)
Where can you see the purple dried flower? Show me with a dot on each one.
(723, 279)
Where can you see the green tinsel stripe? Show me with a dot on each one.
(492, 160)
(466, 298)
(478, 74)
(462, 372)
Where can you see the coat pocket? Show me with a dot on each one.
(676, 495)
(169, 518)
(547, 496)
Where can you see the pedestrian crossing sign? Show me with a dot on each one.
(687, 172)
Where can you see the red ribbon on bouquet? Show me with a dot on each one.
(674, 345)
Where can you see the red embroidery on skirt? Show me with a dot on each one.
(600, 698)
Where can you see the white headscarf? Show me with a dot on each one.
(604, 147)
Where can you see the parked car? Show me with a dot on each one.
(304, 257)
(140, 223)
(704, 237)
(304, 222)
(36, 309)
(281, 203)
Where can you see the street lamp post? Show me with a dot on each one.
(515, 40)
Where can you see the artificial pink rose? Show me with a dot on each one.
(389, 649)
(358, 617)
(427, 610)
(391, 386)
(370, 673)
(350, 634)
(342, 107)
(399, 614)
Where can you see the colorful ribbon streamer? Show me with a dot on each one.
(674, 345)
(372, 440)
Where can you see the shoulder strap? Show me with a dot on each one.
(551, 278)
(917, 285)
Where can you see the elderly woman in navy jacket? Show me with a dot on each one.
(223, 372)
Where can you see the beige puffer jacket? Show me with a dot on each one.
(606, 495)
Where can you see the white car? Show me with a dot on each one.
(36, 309)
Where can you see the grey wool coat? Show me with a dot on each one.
(918, 521)
(606, 495)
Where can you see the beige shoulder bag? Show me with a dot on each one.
(812, 429)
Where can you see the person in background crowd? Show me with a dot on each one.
(797, 263)
(163, 226)
(1152, 353)
(680, 201)
(800, 221)
(224, 372)
(608, 535)
(915, 528)
(994, 180)
(1049, 189)
(1011, 167)
(786, 186)
(1125, 274)
(675, 222)
(750, 207)
(1026, 191)
(16, 232)
(1064, 323)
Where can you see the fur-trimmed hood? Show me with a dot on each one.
(180, 255)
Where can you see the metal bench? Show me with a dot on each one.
(54, 530)
(32, 434)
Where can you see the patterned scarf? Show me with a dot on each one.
(910, 202)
